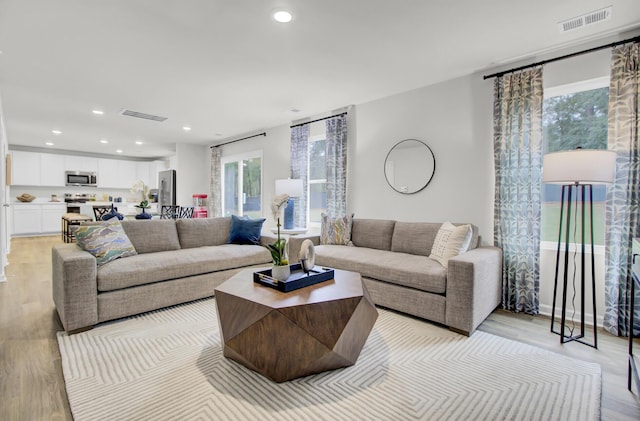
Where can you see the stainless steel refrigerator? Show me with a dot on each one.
(167, 187)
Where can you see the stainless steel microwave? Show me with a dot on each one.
(81, 178)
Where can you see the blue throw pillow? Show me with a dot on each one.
(245, 230)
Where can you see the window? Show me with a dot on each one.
(242, 185)
(574, 116)
(317, 182)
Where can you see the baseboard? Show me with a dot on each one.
(545, 310)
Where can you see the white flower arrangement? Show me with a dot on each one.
(278, 249)
(143, 189)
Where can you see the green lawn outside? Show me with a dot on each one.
(551, 218)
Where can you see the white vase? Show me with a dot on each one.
(281, 273)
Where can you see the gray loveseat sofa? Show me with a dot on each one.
(178, 261)
(392, 258)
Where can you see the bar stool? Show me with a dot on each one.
(69, 220)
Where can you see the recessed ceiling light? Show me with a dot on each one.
(97, 112)
(282, 16)
(56, 132)
(119, 150)
(49, 143)
(104, 141)
(138, 142)
(186, 128)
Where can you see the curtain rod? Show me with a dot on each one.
(540, 63)
(238, 140)
(319, 119)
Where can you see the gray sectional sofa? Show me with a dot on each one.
(392, 258)
(178, 261)
(186, 259)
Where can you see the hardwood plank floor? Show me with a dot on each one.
(32, 386)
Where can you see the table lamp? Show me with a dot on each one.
(577, 171)
(294, 189)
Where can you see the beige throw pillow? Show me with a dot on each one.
(450, 241)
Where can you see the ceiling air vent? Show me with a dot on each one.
(137, 114)
(586, 19)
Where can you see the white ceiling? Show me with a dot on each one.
(226, 68)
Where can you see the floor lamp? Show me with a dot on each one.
(294, 189)
(577, 171)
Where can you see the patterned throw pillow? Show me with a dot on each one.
(107, 241)
(450, 241)
(336, 230)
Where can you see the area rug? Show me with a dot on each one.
(168, 365)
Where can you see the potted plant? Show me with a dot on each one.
(278, 249)
(143, 189)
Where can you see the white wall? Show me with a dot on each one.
(4, 199)
(192, 163)
(454, 119)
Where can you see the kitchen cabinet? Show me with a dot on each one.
(25, 168)
(52, 168)
(36, 218)
(81, 163)
(116, 173)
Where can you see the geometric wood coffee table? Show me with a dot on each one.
(286, 335)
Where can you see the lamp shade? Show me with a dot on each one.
(582, 166)
(291, 187)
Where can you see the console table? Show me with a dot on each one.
(635, 283)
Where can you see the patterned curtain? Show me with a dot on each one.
(336, 156)
(299, 165)
(622, 198)
(517, 136)
(215, 187)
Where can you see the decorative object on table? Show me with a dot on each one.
(577, 170)
(293, 189)
(143, 189)
(307, 256)
(25, 197)
(298, 278)
(113, 213)
(278, 249)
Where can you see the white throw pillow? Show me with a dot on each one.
(450, 241)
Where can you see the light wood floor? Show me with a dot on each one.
(32, 386)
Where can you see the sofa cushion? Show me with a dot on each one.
(152, 235)
(450, 241)
(414, 237)
(372, 233)
(106, 241)
(404, 269)
(200, 232)
(245, 230)
(162, 266)
(336, 230)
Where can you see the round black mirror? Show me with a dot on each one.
(409, 166)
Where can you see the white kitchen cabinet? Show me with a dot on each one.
(37, 219)
(52, 168)
(143, 172)
(81, 163)
(25, 168)
(116, 173)
(51, 218)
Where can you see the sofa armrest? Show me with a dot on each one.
(474, 287)
(75, 286)
(295, 242)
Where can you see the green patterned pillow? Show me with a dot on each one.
(107, 241)
(336, 230)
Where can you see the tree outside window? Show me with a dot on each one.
(570, 120)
